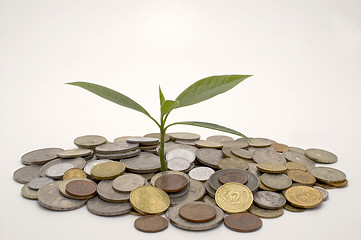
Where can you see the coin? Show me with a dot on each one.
(62, 189)
(243, 141)
(279, 147)
(117, 156)
(234, 197)
(201, 173)
(295, 166)
(179, 222)
(243, 222)
(160, 174)
(291, 208)
(242, 153)
(303, 196)
(231, 163)
(338, 184)
(299, 158)
(320, 156)
(74, 173)
(50, 197)
(89, 141)
(209, 157)
(37, 183)
(107, 193)
(116, 147)
(181, 153)
(327, 174)
(252, 168)
(276, 181)
(197, 212)
(102, 208)
(178, 194)
(172, 145)
(210, 200)
(252, 183)
(78, 163)
(268, 155)
(27, 173)
(271, 167)
(233, 176)
(297, 149)
(107, 170)
(81, 188)
(172, 183)
(219, 138)
(184, 136)
(186, 142)
(28, 193)
(265, 188)
(260, 142)
(323, 191)
(149, 199)
(143, 163)
(178, 164)
(143, 140)
(151, 223)
(265, 213)
(157, 135)
(301, 177)
(74, 153)
(127, 182)
(195, 193)
(269, 200)
(235, 144)
(208, 144)
(40, 156)
(90, 164)
(211, 192)
(57, 170)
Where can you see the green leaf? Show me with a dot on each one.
(210, 126)
(207, 88)
(168, 106)
(161, 96)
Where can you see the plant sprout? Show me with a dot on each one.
(199, 91)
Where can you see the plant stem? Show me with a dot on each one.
(163, 163)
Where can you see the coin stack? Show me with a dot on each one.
(248, 179)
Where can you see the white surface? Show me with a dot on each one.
(305, 57)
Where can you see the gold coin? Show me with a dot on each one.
(149, 200)
(234, 197)
(279, 147)
(338, 184)
(271, 167)
(303, 196)
(208, 144)
(74, 173)
(295, 166)
(231, 163)
(107, 170)
(302, 177)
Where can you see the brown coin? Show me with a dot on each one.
(151, 223)
(279, 147)
(233, 176)
(243, 222)
(301, 177)
(197, 212)
(81, 188)
(338, 184)
(172, 182)
(295, 166)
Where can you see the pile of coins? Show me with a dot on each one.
(208, 182)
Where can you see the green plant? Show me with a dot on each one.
(197, 92)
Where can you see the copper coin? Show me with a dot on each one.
(233, 176)
(151, 223)
(243, 222)
(197, 212)
(171, 182)
(302, 177)
(81, 188)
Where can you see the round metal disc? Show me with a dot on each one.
(40, 156)
(27, 173)
(143, 163)
(102, 208)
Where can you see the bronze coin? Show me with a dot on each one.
(279, 147)
(233, 176)
(151, 223)
(243, 222)
(172, 182)
(197, 212)
(81, 188)
(302, 177)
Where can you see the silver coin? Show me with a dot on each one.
(235, 144)
(265, 213)
(323, 192)
(172, 145)
(184, 136)
(201, 173)
(160, 174)
(253, 149)
(143, 140)
(297, 149)
(299, 158)
(40, 156)
(28, 193)
(62, 187)
(176, 220)
(327, 174)
(242, 153)
(211, 192)
(27, 173)
(320, 156)
(180, 193)
(209, 157)
(117, 147)
(102, 208)
(260, 142)
(210, 200)
(74, 153)
(268, 155)
(276, 181)
(252, 183)
(269, 200)
(127, 182)
(178, 164)
(91, 164)
(186, 142)
(37, 183)
(107, 193)
(180, 153)
(195, 193)
(57, 171)
(143, 163)
(116, 156)
(89, 141)
(220, 138)
(78, 163)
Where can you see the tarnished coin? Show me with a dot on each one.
(50, 197)
(235, 144)
(186, 142)
(252, 183)
(27, 173)
(40, 156)
(172, 183)
(260, 142)
(37, 183)
(102, 208)
(209, 157)
(295, 166)
(157, 135)
(210, 200)
(299, 158)
(179, 194)
(242, 153)
(178, 164)
(276, 181)
(323, 191)
(201, 173)
(297, 149)
(107, 193)
(271, 167)
(151, 223)
(149, 200)
(243, 222)
(265, 213)
(143, 140)
(233, 176)
(327, 174)
(78, 163)
(62, 189)
(268, 155)
(197, 212)
(265, 188)
(320, 156)
(28, 193)
(243, 141)
(269, 200)
(195, 193)
(338, 184)
(81, 188)
(219, 138)
(302, 177)
(303, 196)
(57, 171)
(74, 153)
(143, 163)
(169, 146)
(279, 147)
(291, 208)
(116, 147)
(107, 170)
(208, 144)
(231, 163)
(127, 182)
(252, 168)
(234, 197)
(117, 156)
(74, 173)
(211, 192)
(90, 164)
(184, 136)
(181, 153)
(179, 222)
(89, 141)
(160, 174)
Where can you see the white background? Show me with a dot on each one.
(305, 57)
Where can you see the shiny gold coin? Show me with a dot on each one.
(234, 197)
(74, 173)
(231, 163)
(303, 196)
(149, 200)
(279, 147)
(295, 166)
(208, 144)
(271, 167)
(107, 170)
(302, 177)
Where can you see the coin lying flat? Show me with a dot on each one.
(235, 144)
(78, 163)
(201, 173)
(197, 212)
(178, 164)
(62, 189)
(172, 145)
(27, 173)
(252, 183)
(268, 155)
(301, 177)
(102, 208)
(107, 193)
(143, 163)
(181, 153)
(292, 208)
(297, 149)
(295, 166)
(74, 153)
(151, 223)
(195, 193)
(37, 183)
(117, 156)
(184, 136)
(269, 200)
(74, 173)
(90, 164)
(149, 200)
(327, 174)
(211, 192)
(276, 181)
(271, 167)
(81, 188)
(209, 157)
(303, 196)
(260, 142)
(220, 138)
(243, 222)
(323, 191)
(107, 170)
(40, 156)
(233, 176)
(265, 213)
(160, 174)
(242, 153)
(231, 163)
(179, 194)
(117, 147)
(89, 141)
(208, 144)
(172, 183)
(338, 184)
(299, 158)
(127, 182)
(157, 135)
(57, 170)
(279, 147)
(210, 200)
(320, 156)
(234, 197)
(143, 140)
(28, 193)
